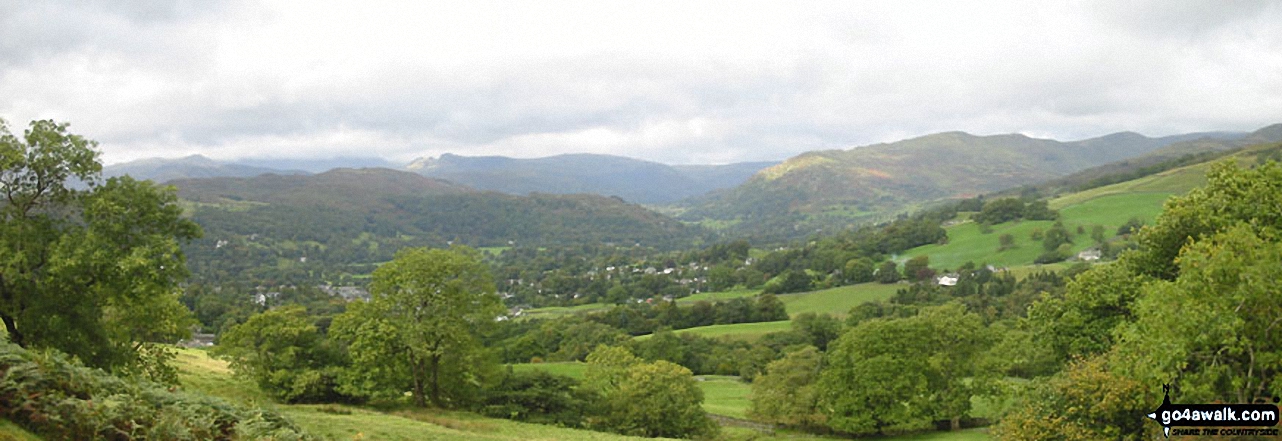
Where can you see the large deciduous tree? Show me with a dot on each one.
(787, 394)
(419, 328)
(87, 266)
(282, 350)
(896, 375)
(657, 399)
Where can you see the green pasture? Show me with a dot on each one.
(837, 301)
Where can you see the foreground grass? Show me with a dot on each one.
(197, 371)
(12, 432)
(722, 395)
(354, 423)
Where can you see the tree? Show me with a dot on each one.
(1000, 210)
(898, 375)
(1083, 321)
(918, 268)
(769, 308)
(888, 272)
(1213, 331)
(786, 394)
(284, 353)
(1084, 402)
(720, 278)
(1231, 195)
(1055, 236)
(659, 399)
(1005, 242)
(788, 281)
(819, 329)
(859, 270)
(83, 265)
(419, 328)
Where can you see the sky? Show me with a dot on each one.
(676, 82)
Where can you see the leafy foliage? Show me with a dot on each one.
(538, 397)
(886, 376)
(88, 271)
(788, 393)
(420, 327)
(61, 399)
(658, 399)
(285, 354)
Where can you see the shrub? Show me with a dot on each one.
(58, 398)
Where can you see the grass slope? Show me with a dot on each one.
(836, 301)
(12, 432)
(967, 243)
(725, 395)
(1109, 206)
(198, 371)
(739, 331)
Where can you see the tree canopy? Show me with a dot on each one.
(419, 328)
(87, 266)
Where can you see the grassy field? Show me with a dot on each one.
(967, 243)
(739, 331)
(836, 301)
(199, 372)
(557, 311)
(725, 395)
(1109, 206)
(718, 296)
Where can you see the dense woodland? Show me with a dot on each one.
(110, 272)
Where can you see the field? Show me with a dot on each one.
(837, 301)
(725, 395)
(718, 296)
(740, 331)
(967, 243)
(557, 311)
(199, 372)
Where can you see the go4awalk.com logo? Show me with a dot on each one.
(1242, 419)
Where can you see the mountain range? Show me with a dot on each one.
(814, 191)
(633, 180)
(835, 189)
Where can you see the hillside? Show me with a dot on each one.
(1184, 152)
(340, 222)
(194, 166)
(337, 188)
(829, 190)
(633, 180)
(1108, 206)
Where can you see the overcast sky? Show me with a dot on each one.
(673, 82)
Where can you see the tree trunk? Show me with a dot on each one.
(956, 423)
(10, 325)
(435, 366)
(417, 367)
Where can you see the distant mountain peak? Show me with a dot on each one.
(631, 179)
